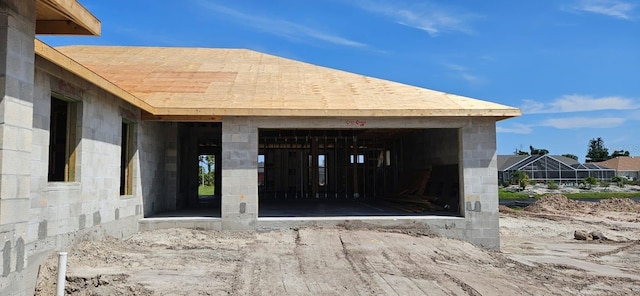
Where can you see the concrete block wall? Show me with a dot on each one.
(155, 166)
(480, 182)
(239, 174)
(58, 213)
(16, 105)
(171, 164)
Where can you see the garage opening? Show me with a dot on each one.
(358, 172)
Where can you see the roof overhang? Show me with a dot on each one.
(282, 112)
(48, 53)
(65, 17)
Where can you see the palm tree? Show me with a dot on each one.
(520, 178)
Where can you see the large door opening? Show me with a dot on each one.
(363, 172)
(199, 179)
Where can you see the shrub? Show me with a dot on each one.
(552, 185)
(589, 182)
(619, 181)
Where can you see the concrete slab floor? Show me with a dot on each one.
(306, 208)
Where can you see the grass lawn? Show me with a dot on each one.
(205, 190)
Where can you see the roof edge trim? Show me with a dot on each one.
(488, 113)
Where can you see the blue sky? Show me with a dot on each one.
(572, 66)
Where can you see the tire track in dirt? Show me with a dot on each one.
(428, 268)
(237, 279)
(359, 268)
(411, 274)
(297, 251)
(382, 272)
(616, 250)
(464, 286)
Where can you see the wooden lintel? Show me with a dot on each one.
(61, 27)
(181, 118)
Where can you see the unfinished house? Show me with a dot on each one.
(101, 141)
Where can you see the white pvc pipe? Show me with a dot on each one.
(62, 270)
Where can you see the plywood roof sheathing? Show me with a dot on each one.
(45, 51)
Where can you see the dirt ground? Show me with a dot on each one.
(539, 256)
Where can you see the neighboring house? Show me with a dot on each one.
(543, 168)
(94, 139)
(625, 166)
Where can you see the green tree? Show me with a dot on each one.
(570, 156)
(597, 151)
(207, 163)
(520, 178)
(617, 153)
(520, 152)
(535, 151)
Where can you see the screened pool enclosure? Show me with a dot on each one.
(543, 168)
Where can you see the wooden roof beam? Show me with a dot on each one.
(65, 17)
(146, 116)
(60, 27)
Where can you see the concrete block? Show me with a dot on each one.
(14, 210)
(8, 185)
(239, 138)
(239, 222)
(230, 208)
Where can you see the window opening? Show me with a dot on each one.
(360, 158)
(322, 170)
(261, 170)
(126, 156)
(62, 138)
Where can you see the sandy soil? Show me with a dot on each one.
(539, 256)
(562, 189)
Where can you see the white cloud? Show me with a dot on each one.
(612, 8)
(583, 122)
(515, 129)
(532, 107)
(578, 103)
(426, 16)
(464, 74)
(470, 78)
(279, 27)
